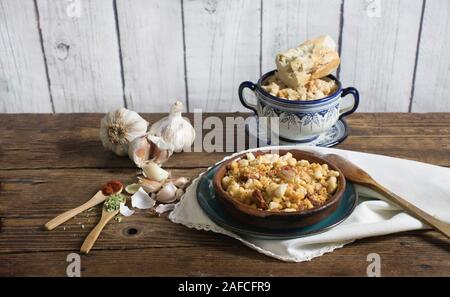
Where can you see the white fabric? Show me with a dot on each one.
(426, 186)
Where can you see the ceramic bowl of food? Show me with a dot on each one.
(300, 120)
(287, 189)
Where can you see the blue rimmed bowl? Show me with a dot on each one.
(300, 121)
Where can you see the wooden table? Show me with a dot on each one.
(51, 163)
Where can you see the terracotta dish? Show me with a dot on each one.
(278, 220)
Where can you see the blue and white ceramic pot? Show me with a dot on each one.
(300, 121)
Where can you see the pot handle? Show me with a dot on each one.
(251, 86)
(350, 109)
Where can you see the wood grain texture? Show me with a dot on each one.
(286, 24)
(20, 187)
(378, 53)
(421, 137)
(151, 38)
(222, 50)
(427, 255)
(57, 190)
(76, 165)
(23, 80)
(82, 55)
(432, 85)
(225, 43)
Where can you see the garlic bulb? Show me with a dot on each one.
(152, 171)
(174, 129)
(149, 148)
(119, 128)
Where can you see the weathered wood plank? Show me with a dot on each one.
(432, 85)
(29, 198)
(53, 141)
(378, 51)
(222, 50)
(46, 193)
(151, 38)
(21, 235)
(23, 80)
(427, 255)
(286, 24)
(82, 55)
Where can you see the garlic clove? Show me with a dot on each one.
(152, 171)
(139, 150)
(149, 147)
(150, 186)
(179, 193)
(161, 150)
(162, 208)
(167, 194)
(180, 182)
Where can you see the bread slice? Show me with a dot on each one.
(312, 59)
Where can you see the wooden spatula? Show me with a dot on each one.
(92, 237)
(357, 175)
(96, 199)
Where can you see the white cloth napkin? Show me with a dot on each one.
(426, 186)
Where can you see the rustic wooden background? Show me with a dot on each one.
(97, 55)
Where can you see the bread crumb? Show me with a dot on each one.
(312, 90)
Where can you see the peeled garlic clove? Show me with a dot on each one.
(139, 150)
(180, 182)
(132, 188)
(154, 172)
(150, 186)
(167, 194)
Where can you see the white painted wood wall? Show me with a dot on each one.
(97, 55)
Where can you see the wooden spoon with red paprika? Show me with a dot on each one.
(108, 189)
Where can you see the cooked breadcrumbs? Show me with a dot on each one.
(279, 183)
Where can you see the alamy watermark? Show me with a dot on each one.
(214, 134)
(74, 267)
(374, 268)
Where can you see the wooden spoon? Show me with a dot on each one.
(355, 174)
(93, 235)
(64, 217)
